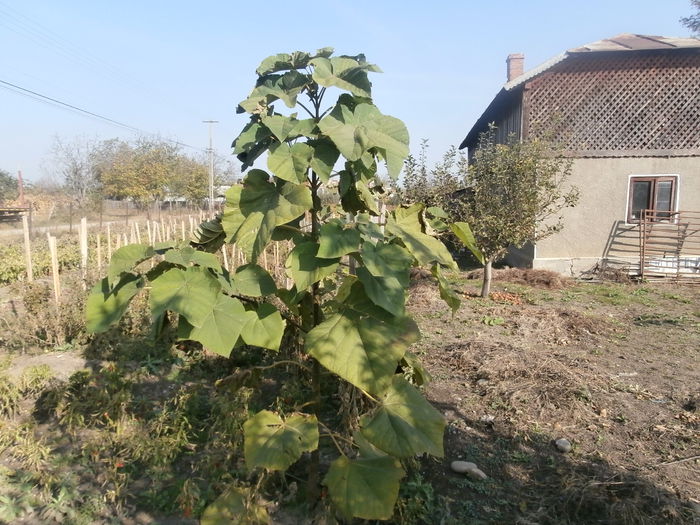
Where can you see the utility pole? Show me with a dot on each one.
(211, 165)
(20, 188)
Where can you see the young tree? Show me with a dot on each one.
(514, 193)
(692, 22)
(344, 329)
(439, 188)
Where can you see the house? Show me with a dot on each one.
(627, 111)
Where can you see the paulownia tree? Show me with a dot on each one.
(352, 326)
(515, 192)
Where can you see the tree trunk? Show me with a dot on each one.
(486, 286)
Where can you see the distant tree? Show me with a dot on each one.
(73, 161)
(8, 186)
(692, 22)
(148, 170)
(515, 191)
(189, 179)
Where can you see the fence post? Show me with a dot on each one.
(54, 267)
(223, 252)
(98, 252)
(83, 249)
(109, 242)
(27, 249)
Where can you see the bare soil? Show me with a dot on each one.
(613, 368)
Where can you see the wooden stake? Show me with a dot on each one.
(99, 253)
(223, 252)
(109, 242)
(27, 249)
(54, 267)
(148, 232)
(138, 233)
(83, 249)
(182, 223)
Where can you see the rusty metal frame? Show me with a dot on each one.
(669, 238)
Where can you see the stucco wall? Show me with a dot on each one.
(596, 227)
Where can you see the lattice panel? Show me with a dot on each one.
(619, 104)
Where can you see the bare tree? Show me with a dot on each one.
(73, 161)
(692, 22)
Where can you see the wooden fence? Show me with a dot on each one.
(102, 242)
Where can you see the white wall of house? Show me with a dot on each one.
(597, 228)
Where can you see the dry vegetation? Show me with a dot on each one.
(613, 368)
(121, 429)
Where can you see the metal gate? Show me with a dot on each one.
(669, 244)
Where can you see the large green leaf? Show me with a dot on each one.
(387, 260)
(352, 295)
(234, 507)
(370, 230)
(345, 73)
(290, 163)
(386, 292)
(188, 255)
(447, 294)
(254, 210)
(464, 234)
(347, 129)
(275, 444)
(288, 128)
(253, 133)
(356, 131)
(271, 87)
(364, 488)
(265, 327)
(324, 158)
(306, 268)
(221, 328)
(405, 424)
(253, 280)
(283, 61)
(336, 240)
(405, 224)
(361, 349)
(106, 304)
(126, 258)
(192, 292)
(355, 195)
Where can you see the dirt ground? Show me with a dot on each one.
(612, 368)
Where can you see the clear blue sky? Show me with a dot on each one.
(163, 67)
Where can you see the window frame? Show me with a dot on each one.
(654, 180)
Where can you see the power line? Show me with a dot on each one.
(45, 98)
(42, 35)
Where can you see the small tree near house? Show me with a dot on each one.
(515, 192)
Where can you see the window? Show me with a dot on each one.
(651, 193)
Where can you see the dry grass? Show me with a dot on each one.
(534, 278)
